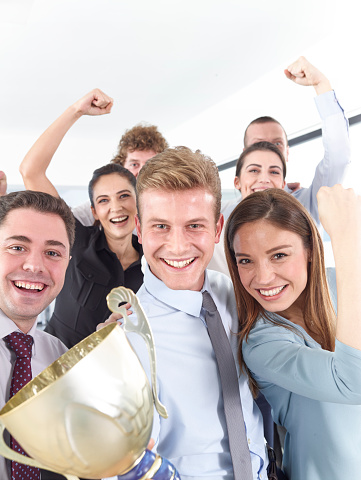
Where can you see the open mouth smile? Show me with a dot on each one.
(179, 264)
(118, 220)
(271, 292)
(29, 286)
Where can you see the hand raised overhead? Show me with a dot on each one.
(304, 73)
(95, 102)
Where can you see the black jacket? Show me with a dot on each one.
(92, 273)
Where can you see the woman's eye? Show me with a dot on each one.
(244, 261)
(279, 255)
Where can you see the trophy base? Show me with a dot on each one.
(152, 466)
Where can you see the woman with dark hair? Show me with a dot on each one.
(306, 362)
(105, 255)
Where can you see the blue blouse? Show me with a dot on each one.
(315, 394)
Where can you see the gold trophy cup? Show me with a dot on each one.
(90, 413)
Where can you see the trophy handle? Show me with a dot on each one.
(9, 453)
(122, 294)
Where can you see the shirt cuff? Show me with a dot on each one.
(327, 104)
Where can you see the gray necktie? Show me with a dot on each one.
(238, 444)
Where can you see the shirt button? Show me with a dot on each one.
(249, 441)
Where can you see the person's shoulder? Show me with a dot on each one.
(84, 214)
(84, 233)
(219, 281)
(273, 328)
(152, 306)
(228, 207)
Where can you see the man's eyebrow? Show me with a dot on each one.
(24, 239)
(19, 238)
(55, 243)
(192, 220)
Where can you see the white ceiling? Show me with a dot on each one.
(199, 69)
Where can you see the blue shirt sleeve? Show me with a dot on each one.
(337, 151)
(278, 356)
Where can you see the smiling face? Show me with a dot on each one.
(178, 232)
(268, 132)
(261, 170)
(114, 206)
(136, 160)
(272, 266)
(34, 255)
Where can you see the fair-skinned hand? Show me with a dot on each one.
(3, 183)
(340, 212)
(114, 317)
(304, 73)
(95, 102)
(151, 444)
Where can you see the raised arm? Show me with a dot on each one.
(337, 153)
(340, 214)
(33, 167)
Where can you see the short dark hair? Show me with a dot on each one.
(140, 137)
(40, 202)
(263, 147)
(259, 120)
(108, 170)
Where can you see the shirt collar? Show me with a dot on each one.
(7, 326)
(187, 301)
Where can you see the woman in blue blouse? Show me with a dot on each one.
(306, 362)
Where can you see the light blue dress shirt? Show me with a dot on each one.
(315, 394)
(194, 437)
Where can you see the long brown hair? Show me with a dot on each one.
(283, 211)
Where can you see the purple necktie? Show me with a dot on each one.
(21, 345)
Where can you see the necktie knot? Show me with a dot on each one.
(20, 343)
(208, 303)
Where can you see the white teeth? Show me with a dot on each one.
(176, 264)
(30, 286)
(271, 293)
(119, 219)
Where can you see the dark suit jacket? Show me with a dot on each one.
(92, 272)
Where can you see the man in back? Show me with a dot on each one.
(36, 234)
(335, 137)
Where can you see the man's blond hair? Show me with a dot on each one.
(178, 169)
